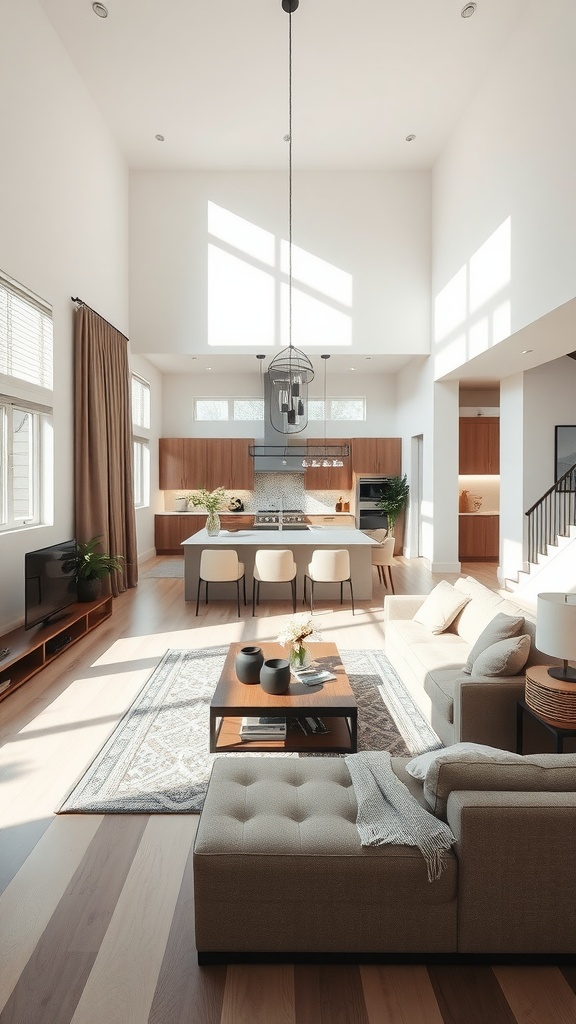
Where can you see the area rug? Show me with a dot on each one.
(168, 569)
(156, 759)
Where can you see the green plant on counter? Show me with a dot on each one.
(212, 501)
(395, 491)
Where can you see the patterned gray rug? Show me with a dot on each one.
(156, 760)
(171, 568)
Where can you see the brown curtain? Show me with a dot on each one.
(103, 453)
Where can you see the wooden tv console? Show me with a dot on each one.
(30, 650)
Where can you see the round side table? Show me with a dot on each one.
(551, 698)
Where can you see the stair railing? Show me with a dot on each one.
(552, 515)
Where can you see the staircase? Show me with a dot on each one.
(551, 541)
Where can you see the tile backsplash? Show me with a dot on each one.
(274, 489)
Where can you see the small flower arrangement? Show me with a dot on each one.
(212, 501)
(295, 632)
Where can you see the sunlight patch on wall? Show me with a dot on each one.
(314, 322)
(473, 311)
(317, 274)
(241, 233)
(248, 288)
(240, 301)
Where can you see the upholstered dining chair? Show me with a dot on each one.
(383, 559)
(329, 566)
(273, 566)
(377, 535)
(220, 566)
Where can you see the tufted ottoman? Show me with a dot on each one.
(279, 869)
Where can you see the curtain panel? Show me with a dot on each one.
(103, 447)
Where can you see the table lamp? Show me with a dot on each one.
(556, 632)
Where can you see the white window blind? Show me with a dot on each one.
(140, 402)
(25, 335)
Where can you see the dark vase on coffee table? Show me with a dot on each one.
(275, 676)
(249, 661)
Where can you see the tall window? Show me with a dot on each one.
(141, 439)
(25, 405)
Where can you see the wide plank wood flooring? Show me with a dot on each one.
(96, 911)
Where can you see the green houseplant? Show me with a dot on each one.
(395, 491)
(91, 565)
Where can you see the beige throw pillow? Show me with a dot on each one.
(506, 658)
(418, 767)
(502, 627)
(440, 607)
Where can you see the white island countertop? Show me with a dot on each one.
(300, 542)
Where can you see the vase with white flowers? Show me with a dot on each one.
(213, 502)
(296, 631)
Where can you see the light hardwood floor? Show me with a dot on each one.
(96, 911)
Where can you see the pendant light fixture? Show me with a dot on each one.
(291, 371)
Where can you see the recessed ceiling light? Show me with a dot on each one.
(410, 138)
(368, 357)
(468, 10)
(526, 351)
(352, 367)
(159, 138)
(100, 10)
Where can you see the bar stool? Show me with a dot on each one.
(221, 566)
(273, 566)
(383, 558)
(329, 566)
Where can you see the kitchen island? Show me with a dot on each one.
(301, 542)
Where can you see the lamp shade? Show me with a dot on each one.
(556, 630)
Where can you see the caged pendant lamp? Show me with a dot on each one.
(291, 371)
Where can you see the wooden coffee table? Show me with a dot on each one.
(333, 701)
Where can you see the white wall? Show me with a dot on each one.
(64, 232)
(509, 169)
(180, 391)
(373, 228)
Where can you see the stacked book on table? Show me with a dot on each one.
(264, 728)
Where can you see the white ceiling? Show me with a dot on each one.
(212, 77)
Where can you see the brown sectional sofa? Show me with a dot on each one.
(279, 871)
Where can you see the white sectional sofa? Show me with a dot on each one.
(460, 707)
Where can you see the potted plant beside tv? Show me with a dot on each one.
(91, 566)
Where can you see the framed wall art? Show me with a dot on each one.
(564, 450)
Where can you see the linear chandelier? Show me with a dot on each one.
(309, 454)
(291, 371)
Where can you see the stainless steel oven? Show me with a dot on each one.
(372, 519)
(370, 488)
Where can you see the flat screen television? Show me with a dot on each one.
(50, 584)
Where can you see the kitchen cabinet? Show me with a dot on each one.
(171, 530)
(187, 463)
(329, 478)
(479, 445)
(377, 456)
(478, 538)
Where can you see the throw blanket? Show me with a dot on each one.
(388, 813)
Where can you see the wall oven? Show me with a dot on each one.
(372, 519)
(370, 488)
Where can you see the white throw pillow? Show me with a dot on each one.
(420, 764)
(506, 658)
(501, 627)
(440, 607)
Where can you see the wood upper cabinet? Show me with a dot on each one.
(377, 456)
(479, 450)
(329, 478)
(187, 463)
